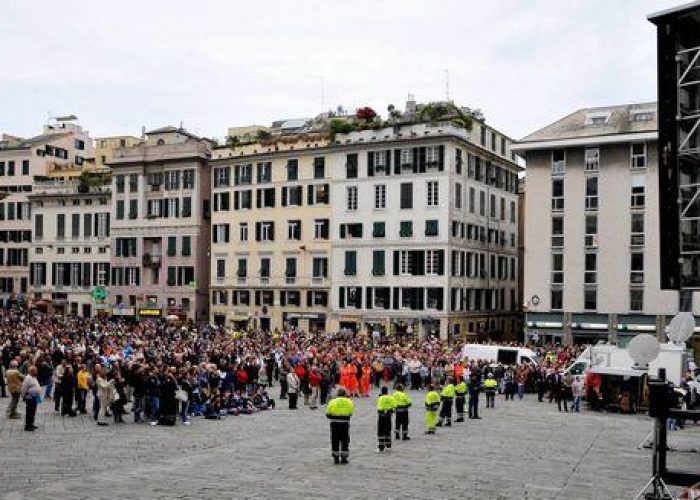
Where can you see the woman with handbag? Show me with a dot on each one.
(104, 394)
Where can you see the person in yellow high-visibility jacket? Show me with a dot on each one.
(432, 405)
(403, 403)
(385, 409)
(447, 395)
(460, 398)
(339, 410)
(490, 386)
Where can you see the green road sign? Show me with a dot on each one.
(99, 293)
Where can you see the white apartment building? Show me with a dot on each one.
(424, 231)
(59, 152)
(592, 231)
(70, 249)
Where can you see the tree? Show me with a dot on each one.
(366, 113)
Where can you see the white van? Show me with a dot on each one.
(500, 354)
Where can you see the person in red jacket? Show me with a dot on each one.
(315, 378)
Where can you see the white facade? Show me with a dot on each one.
(70, 249)
(442, 276)
(592, 252)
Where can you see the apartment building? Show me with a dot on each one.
(592, 236)
(270, 245)
(106, 146)
(424, 230)
(160, 226)
(59, 152)
(69, 256)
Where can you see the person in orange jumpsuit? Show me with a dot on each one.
(365, 380)
(351, 371)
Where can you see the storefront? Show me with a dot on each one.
(239, 320)
(306, 321)
(150, 312)
(541, 329)
(351, 323)
(127, 312)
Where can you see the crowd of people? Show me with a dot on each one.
(162, 372)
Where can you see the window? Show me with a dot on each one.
(482, 138)
(11, 167)
(321, 229)
(492, 206)
(186, 246)
(431, 227)
(319, 167)
(350, 263)
(222, 202)
(379, 159)
(432, 156)
(290, 269)
(265, 231)
(406, 229)
(133, 209)
(266, 198)
(558, 195)
(557, 269)
(186, 206)
(188, 178)
(120, 210)
(556, 300)
(351, 195)
(512, 212)
(378, 263)
(591, 159)
(406, 195)
(25, 167)
(407, 158)
(590, 299)
(318, 194)
(432, 193)
(472, 199)
(294, 230)
(405, 262)
(638, 155)
(75, 226)
(242, 271)
(351, 166)
(220, 233)
(591, 231)
(60, 226)
(265, 267)
(458, 195)
(264, 172)
(38, 226)
(637, 229)
(172, 180)
(293, 169)
(637, 268)
(637, 299)
(558, 161)
(222, 176)
(119, 181)
(379, 196)
(459, 161)
(351, 230)
(319, 267)
(378, 230)
(590, 275)
(431, 262)
(133, 183)
(292, 196)
(220, 269)
(638, 191)
(482, 203)
(172, 246)
(592, 193)
(243, 231)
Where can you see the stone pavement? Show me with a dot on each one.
(521, 449)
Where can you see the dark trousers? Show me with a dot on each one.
(67, 403)
(340, 440)
(402, 423)
(384, 431)
(323, 391)
(459, 407)
(415, 381)
(446, 410)
(57, 396)
(474, 406)
(82, 400)
(490, 399)
(3, 387)
(293, 400)
(95, 406)
(562, 399)
(31, 413)
(283, 387)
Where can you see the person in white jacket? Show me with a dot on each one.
(293, 384)
(30, 392)
(105, 390)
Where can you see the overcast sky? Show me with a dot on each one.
(215, 64)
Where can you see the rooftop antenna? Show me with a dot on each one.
(447, 84)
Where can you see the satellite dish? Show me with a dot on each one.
(681, 327)
(643, 349)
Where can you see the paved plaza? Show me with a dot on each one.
(521, 449)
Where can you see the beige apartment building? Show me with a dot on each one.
(270, 243)
(160, 226)
(106, 146)
(592, 269)
(60, 152)
(70, 249)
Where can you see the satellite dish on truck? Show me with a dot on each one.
(643, 349)
(681, 327)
